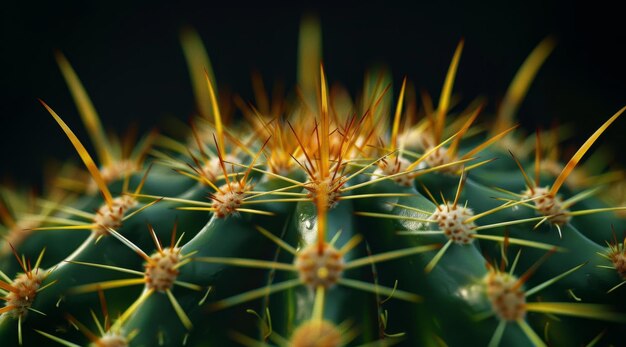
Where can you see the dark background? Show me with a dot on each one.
(129, 59)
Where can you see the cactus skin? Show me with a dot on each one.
(250, 205)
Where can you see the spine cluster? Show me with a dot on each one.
(318, 222)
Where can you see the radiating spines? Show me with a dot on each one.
(19, 214)
(159, 276)
(547, 201)
(595, 171)
(116, 158)
(616, 255)
(109, 215)
(20, 292)
(200, 69)
(456, 221)
(320, 151)
(510, 300)
(519, 87)
(107, 333)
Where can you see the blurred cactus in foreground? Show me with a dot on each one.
(321, 221)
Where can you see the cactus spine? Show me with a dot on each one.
(318, 222)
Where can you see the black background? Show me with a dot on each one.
(129, 59)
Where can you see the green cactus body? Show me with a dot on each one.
(335, 224)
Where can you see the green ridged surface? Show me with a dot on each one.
(454, 309)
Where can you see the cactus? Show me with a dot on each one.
(318, 222)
